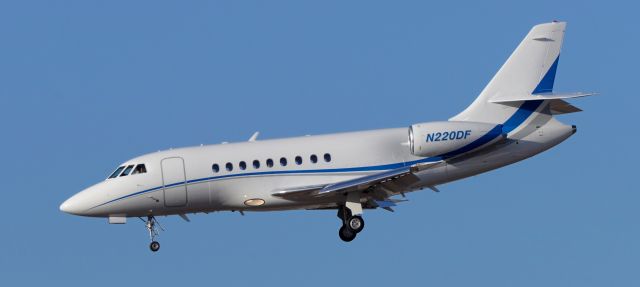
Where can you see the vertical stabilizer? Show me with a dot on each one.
(530, 69)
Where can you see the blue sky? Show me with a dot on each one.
(85, 85)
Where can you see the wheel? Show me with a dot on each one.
(356, 223)
(346, 234)
(154, 246)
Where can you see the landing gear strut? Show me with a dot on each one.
(351, 224)
(151, 223)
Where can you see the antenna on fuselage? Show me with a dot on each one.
(254, 136)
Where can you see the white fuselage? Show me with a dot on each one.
(180, 181)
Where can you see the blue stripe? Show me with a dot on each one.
(546, 84)
(523, 112)
(492, 134)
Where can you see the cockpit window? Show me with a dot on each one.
(117, 172)
(139, 169)
(127, 170)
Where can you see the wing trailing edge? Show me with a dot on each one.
(356, 184)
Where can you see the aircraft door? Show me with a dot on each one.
(174, 182)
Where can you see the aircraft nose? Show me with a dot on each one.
(66, 206)
(74, 205)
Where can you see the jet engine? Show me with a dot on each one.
(445, 138)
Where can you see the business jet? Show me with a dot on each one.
(512, 119)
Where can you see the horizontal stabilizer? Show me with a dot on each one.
(559, 107)
(539, 96)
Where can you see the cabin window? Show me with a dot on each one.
(313, 158)
(127, 170)
(256, 164)
(269, 162)
(139, 169)
(327, 157)
(243, 165)
(298, 160)
(229, 166)
(117, 172)
(283, 161)
(215, 167)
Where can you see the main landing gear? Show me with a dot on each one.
(351, 224)
(151, 223)
(350, 214)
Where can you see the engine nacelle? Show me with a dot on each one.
(440, 138)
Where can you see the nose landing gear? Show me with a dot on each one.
(150, 224)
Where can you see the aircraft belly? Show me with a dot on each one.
(198, 195)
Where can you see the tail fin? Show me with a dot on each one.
(531, 69)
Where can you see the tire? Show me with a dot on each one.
(355, 223)
(346, 234)
(154, 246)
